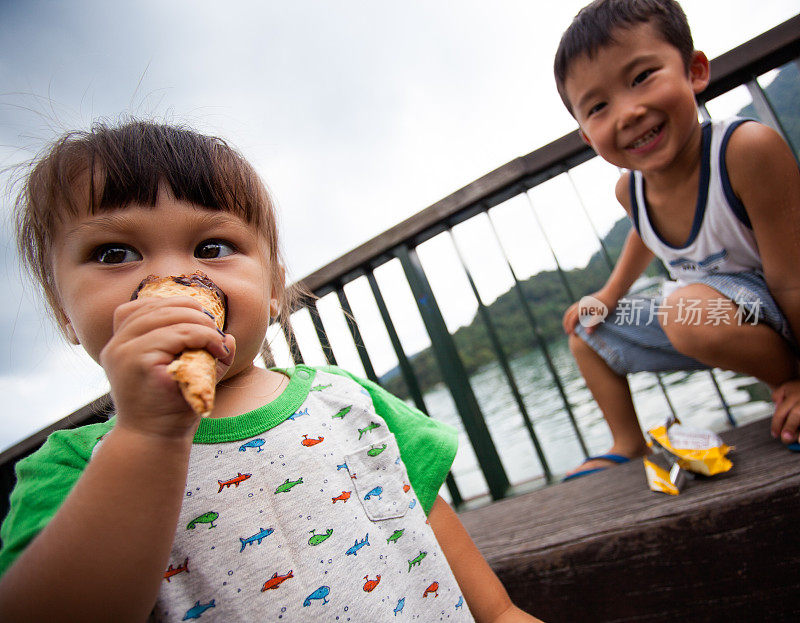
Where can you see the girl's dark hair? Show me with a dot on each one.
(594, 27)
(111, 166)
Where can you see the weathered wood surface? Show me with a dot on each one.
(606, 548)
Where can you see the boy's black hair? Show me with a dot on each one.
(595, 24)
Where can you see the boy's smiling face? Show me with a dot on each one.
(634, 100)
(99, 260)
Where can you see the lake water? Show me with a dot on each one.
(692, 394)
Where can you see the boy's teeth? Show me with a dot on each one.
(645, 139)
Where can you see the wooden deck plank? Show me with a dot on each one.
(606, 548)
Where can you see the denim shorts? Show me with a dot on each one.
(632, 339)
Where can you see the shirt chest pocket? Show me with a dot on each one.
(379, 478)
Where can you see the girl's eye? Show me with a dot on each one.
(115, 254)
(211, 249)
(641, 77)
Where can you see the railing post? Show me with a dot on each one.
(313, 310)
(540, 342)
(503, 360)
(408, 374)
(560, 271)
(352, 325)
(454, 374)
(291, 340)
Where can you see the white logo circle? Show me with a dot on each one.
(591, 311)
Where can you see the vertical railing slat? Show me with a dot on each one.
(541, 343)
(319, 329)
(408, 374)
(502, 359)
(561, 274)
(454, 373)
(291, 340)
(352, 326)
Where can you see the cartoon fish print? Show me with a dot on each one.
(376, 451)
(287, 486)
(376, 491)
(342, 466)
(240, 477)
(319, 538)
(345, 495)
(358, 545)
(196, 610)
(176, 570)
(395, 535)
(406, 488)
(256, 538)
(253, 443)
(460, 603)
(368, 428)
(321, 593)
(311, 442)
(370, 585)
(433, 588)
(400, 605)
(297, 414)
(276, 580)
(412, 504)
(417, 560)
(210, 517)
(342, 412)
(319, 388)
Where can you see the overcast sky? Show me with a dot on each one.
(357, 114)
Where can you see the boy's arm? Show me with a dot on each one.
(483, 592)
(764, 175)
(633, 260)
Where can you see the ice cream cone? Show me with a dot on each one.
(195, 370)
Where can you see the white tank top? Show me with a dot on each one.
(722, 237)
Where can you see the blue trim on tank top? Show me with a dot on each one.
(702, 192)
(734, 203)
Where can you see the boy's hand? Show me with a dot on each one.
(786, 419)
(590, 311)
(148, 335)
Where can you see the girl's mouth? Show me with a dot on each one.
(646, 141)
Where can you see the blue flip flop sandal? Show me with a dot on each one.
(614, 458)
(794, 447)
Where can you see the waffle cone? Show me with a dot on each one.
(194, 370)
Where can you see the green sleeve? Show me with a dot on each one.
(44, 479)
(428, 447)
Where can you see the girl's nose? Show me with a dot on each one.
(170, 264)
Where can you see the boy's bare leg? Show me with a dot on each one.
(718, 339)
(751, 349)
(613, 395)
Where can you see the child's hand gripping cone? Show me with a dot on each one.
(194, 370)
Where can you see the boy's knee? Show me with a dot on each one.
(693, 326)
(577, 346)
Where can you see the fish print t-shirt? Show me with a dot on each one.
(313, 508)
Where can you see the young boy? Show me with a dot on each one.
(718, 203)
(307, 495)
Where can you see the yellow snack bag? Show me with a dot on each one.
(696, 450)
(661, 480)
